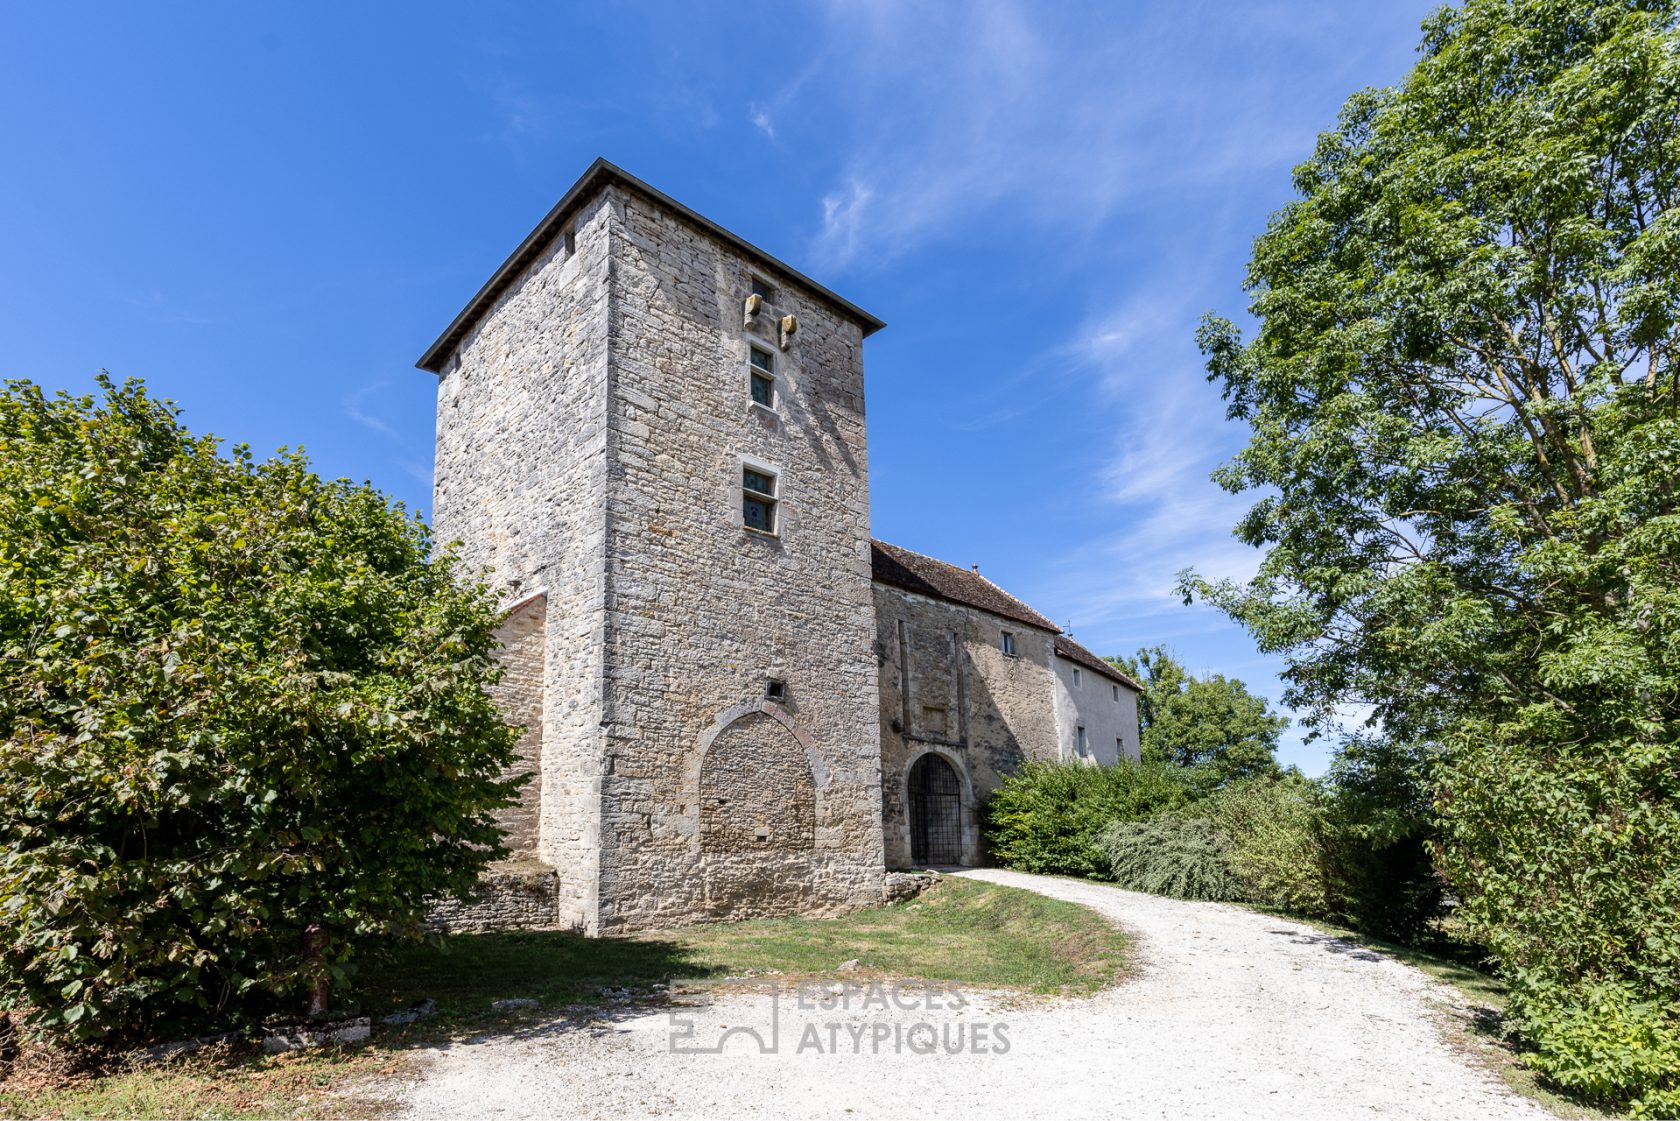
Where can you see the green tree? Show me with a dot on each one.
(1463, 403)
(1212, 724)
(244, 717)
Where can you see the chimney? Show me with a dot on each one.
(976, 569)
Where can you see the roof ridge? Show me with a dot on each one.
(1079, 652)
(954, 574)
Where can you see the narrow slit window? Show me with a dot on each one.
(1076, 676)
(758, 500)
(1006, 643)
(1119, 746)
(1080, 744)
(1116, 689)
(762, 376)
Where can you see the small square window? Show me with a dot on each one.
(758, 500)
(775, 690)
(762, 359)
(761, 288)
(1006, 643)
(1076, 675)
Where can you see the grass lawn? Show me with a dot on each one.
(972, 933)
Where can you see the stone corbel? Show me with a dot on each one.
(749, 310)
(790, 326)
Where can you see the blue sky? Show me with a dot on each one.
(268, 211)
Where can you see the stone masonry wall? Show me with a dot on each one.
(521, 482)
(703, 612)
(985, 712)
(525, 898)
(523, 656)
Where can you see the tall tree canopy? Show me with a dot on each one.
(1463, 402)
(244, 723)
(1212, 724)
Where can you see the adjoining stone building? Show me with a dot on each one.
(652, 434)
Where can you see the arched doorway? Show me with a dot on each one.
(935, 812)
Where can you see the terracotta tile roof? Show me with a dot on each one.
(1073, 652)
(917, 573)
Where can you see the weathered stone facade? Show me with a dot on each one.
(522, 896)
(652, 436)
(947, 688)
(594, 419)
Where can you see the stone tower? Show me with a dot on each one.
(651, 434)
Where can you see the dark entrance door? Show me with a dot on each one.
(935, 812)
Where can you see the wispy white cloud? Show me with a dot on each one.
(355, 407)
(1063, 115)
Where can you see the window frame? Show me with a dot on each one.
(771, 499)
(1006, 643)
(758, 286)
(768, 373)
(1081, 741)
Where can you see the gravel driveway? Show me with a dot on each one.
(1230, 1014)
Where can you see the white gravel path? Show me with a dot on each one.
(1230, 1014)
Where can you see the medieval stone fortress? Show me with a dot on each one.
(737, 702)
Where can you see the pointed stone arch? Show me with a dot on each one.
(756, 779)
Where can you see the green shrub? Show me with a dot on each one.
(243, 721)
(1047, 817)
(1276, 832)
(1608, 1044)
(1187, 858)
(1569, 860)
(1379, 838)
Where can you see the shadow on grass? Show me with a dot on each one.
(468, 973)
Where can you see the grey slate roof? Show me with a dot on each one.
(599, 175)
(1073, 652)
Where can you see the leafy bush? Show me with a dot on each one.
(1569, 857)
(244, 721)
(1276, 833)
(1187, 858)
(1609, 1044)
(1047, 817)
(1379, 838)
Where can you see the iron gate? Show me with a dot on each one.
(935, 812)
